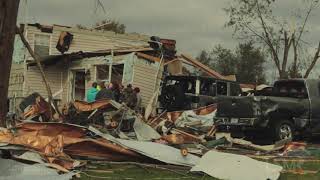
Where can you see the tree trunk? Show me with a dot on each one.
(8, 20)
(295, 73)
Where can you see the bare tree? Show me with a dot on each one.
(8, 20)
(254, 19)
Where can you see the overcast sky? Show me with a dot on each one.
(195, 24)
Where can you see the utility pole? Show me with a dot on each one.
(8, 20)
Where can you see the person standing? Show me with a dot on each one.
(92, 92)
(127, 93)
(136, 92)
(116, 92)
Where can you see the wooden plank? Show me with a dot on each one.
(148, 57)
(203, 67)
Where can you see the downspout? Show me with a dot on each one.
(110, 66)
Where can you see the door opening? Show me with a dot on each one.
(79, 86)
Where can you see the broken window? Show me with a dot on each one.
(116, 76)
(222, 88)
(42, 44)
(117, 73)
(103, 73)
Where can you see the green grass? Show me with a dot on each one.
(138, 172)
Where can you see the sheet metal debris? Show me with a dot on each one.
(153, 150)
(234, 167)
(10, 169)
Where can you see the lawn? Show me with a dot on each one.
(111, 171)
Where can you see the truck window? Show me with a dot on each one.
(295, 89)
(222, 88)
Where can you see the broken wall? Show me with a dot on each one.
(146, 78)
(87, 40)
(16, 81)
(57, 78)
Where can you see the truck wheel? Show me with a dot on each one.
(283, 130)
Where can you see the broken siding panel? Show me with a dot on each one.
(55, 76)
(87, 41)
(16, 80)
(144, 77)
(79, 44)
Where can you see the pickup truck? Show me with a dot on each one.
(292, 108)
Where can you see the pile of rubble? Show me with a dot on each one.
(108, 131)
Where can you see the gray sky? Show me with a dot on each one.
(195, 24)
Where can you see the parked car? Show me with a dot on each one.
(292, 108)
(190, 92)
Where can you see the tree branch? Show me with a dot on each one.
(314, 61)
(295, 59)
(265, 29)
(305, 22)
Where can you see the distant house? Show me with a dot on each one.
(74, 58)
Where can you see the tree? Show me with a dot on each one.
(246, 62)
(204, 57)
(223, 60)
(220, 59)
(8, 20)
(254, 20)
(250, 64)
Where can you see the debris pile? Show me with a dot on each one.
(108, 131)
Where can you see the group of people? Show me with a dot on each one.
(131, 97)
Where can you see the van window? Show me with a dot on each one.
(222, 88)
(234, 89)
(208, 88)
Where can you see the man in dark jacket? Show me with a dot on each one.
(104, 93)
(127, 93)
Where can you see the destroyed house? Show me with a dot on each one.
(73, 58)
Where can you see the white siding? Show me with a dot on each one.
(57, 79)
(86, 40)
(144, 77)
(16, 80)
